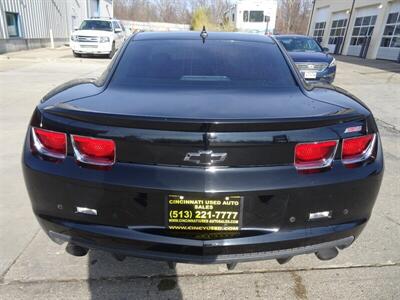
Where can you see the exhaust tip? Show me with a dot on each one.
(76, 250)
(284, 260)
(119, 257)
(327, 254)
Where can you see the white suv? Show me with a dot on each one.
(98, 36)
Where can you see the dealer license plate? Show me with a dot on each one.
(198, 214)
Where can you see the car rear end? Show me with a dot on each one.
(196, 189)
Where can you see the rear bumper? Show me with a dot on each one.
(130, 242)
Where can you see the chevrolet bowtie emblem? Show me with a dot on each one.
(205, 157)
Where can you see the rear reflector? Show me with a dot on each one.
(357, 149)
(49, 143)
(314, 155)
(93, 151)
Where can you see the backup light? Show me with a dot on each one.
(49, 143)
(314, 155)
(358, 149)
(93, 151)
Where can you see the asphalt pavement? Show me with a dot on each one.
(33, 267)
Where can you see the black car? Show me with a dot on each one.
(208, 149)
(313, 61)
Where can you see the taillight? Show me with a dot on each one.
(49, 143)
(93, 151)
(357, 149)
(314, 155)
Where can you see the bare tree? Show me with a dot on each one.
(173, 11)
(293, 16)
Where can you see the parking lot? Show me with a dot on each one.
(33, 267)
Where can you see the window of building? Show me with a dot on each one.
(12, 24)
(319, 29)
(256, 16)
(337, 32)
(246, 16)
(391, 34)
(233, 17)
(363, 28)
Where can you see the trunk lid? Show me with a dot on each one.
(206, 104)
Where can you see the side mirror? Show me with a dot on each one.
(325, 49)
(117, 30)
(76, 28)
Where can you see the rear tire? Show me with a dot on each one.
(111, 54)
(76, 54)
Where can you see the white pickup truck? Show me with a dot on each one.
(98, 36)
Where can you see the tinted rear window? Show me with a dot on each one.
(216, 62)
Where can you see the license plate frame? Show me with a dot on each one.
(203, 214)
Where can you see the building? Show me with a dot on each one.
(253, 15)
(27, 24)
(363, 28)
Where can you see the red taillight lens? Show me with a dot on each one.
(94, 151)
(49, 143)
(357, 149)
(314, 155)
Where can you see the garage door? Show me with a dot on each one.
(390, 42)
(337, 31)
(363, 28)
(321, 16)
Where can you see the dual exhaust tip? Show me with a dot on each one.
(322, 254)
(76, 250)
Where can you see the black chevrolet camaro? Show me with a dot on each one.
(202, 149)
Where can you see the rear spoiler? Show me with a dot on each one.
(66, 110)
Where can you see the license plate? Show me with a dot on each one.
(310, 75)
(198, 214)
(89, 46)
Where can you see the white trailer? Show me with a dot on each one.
(255, 16)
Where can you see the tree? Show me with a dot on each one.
(293, 16)
(172, 11)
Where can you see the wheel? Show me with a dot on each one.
(76, 54)
(111, 54)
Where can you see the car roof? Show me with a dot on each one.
(101, 19)
(293, 36)
(195, 35)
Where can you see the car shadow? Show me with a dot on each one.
(132, 278)
(384, 65)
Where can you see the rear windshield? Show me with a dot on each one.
(216, 62)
